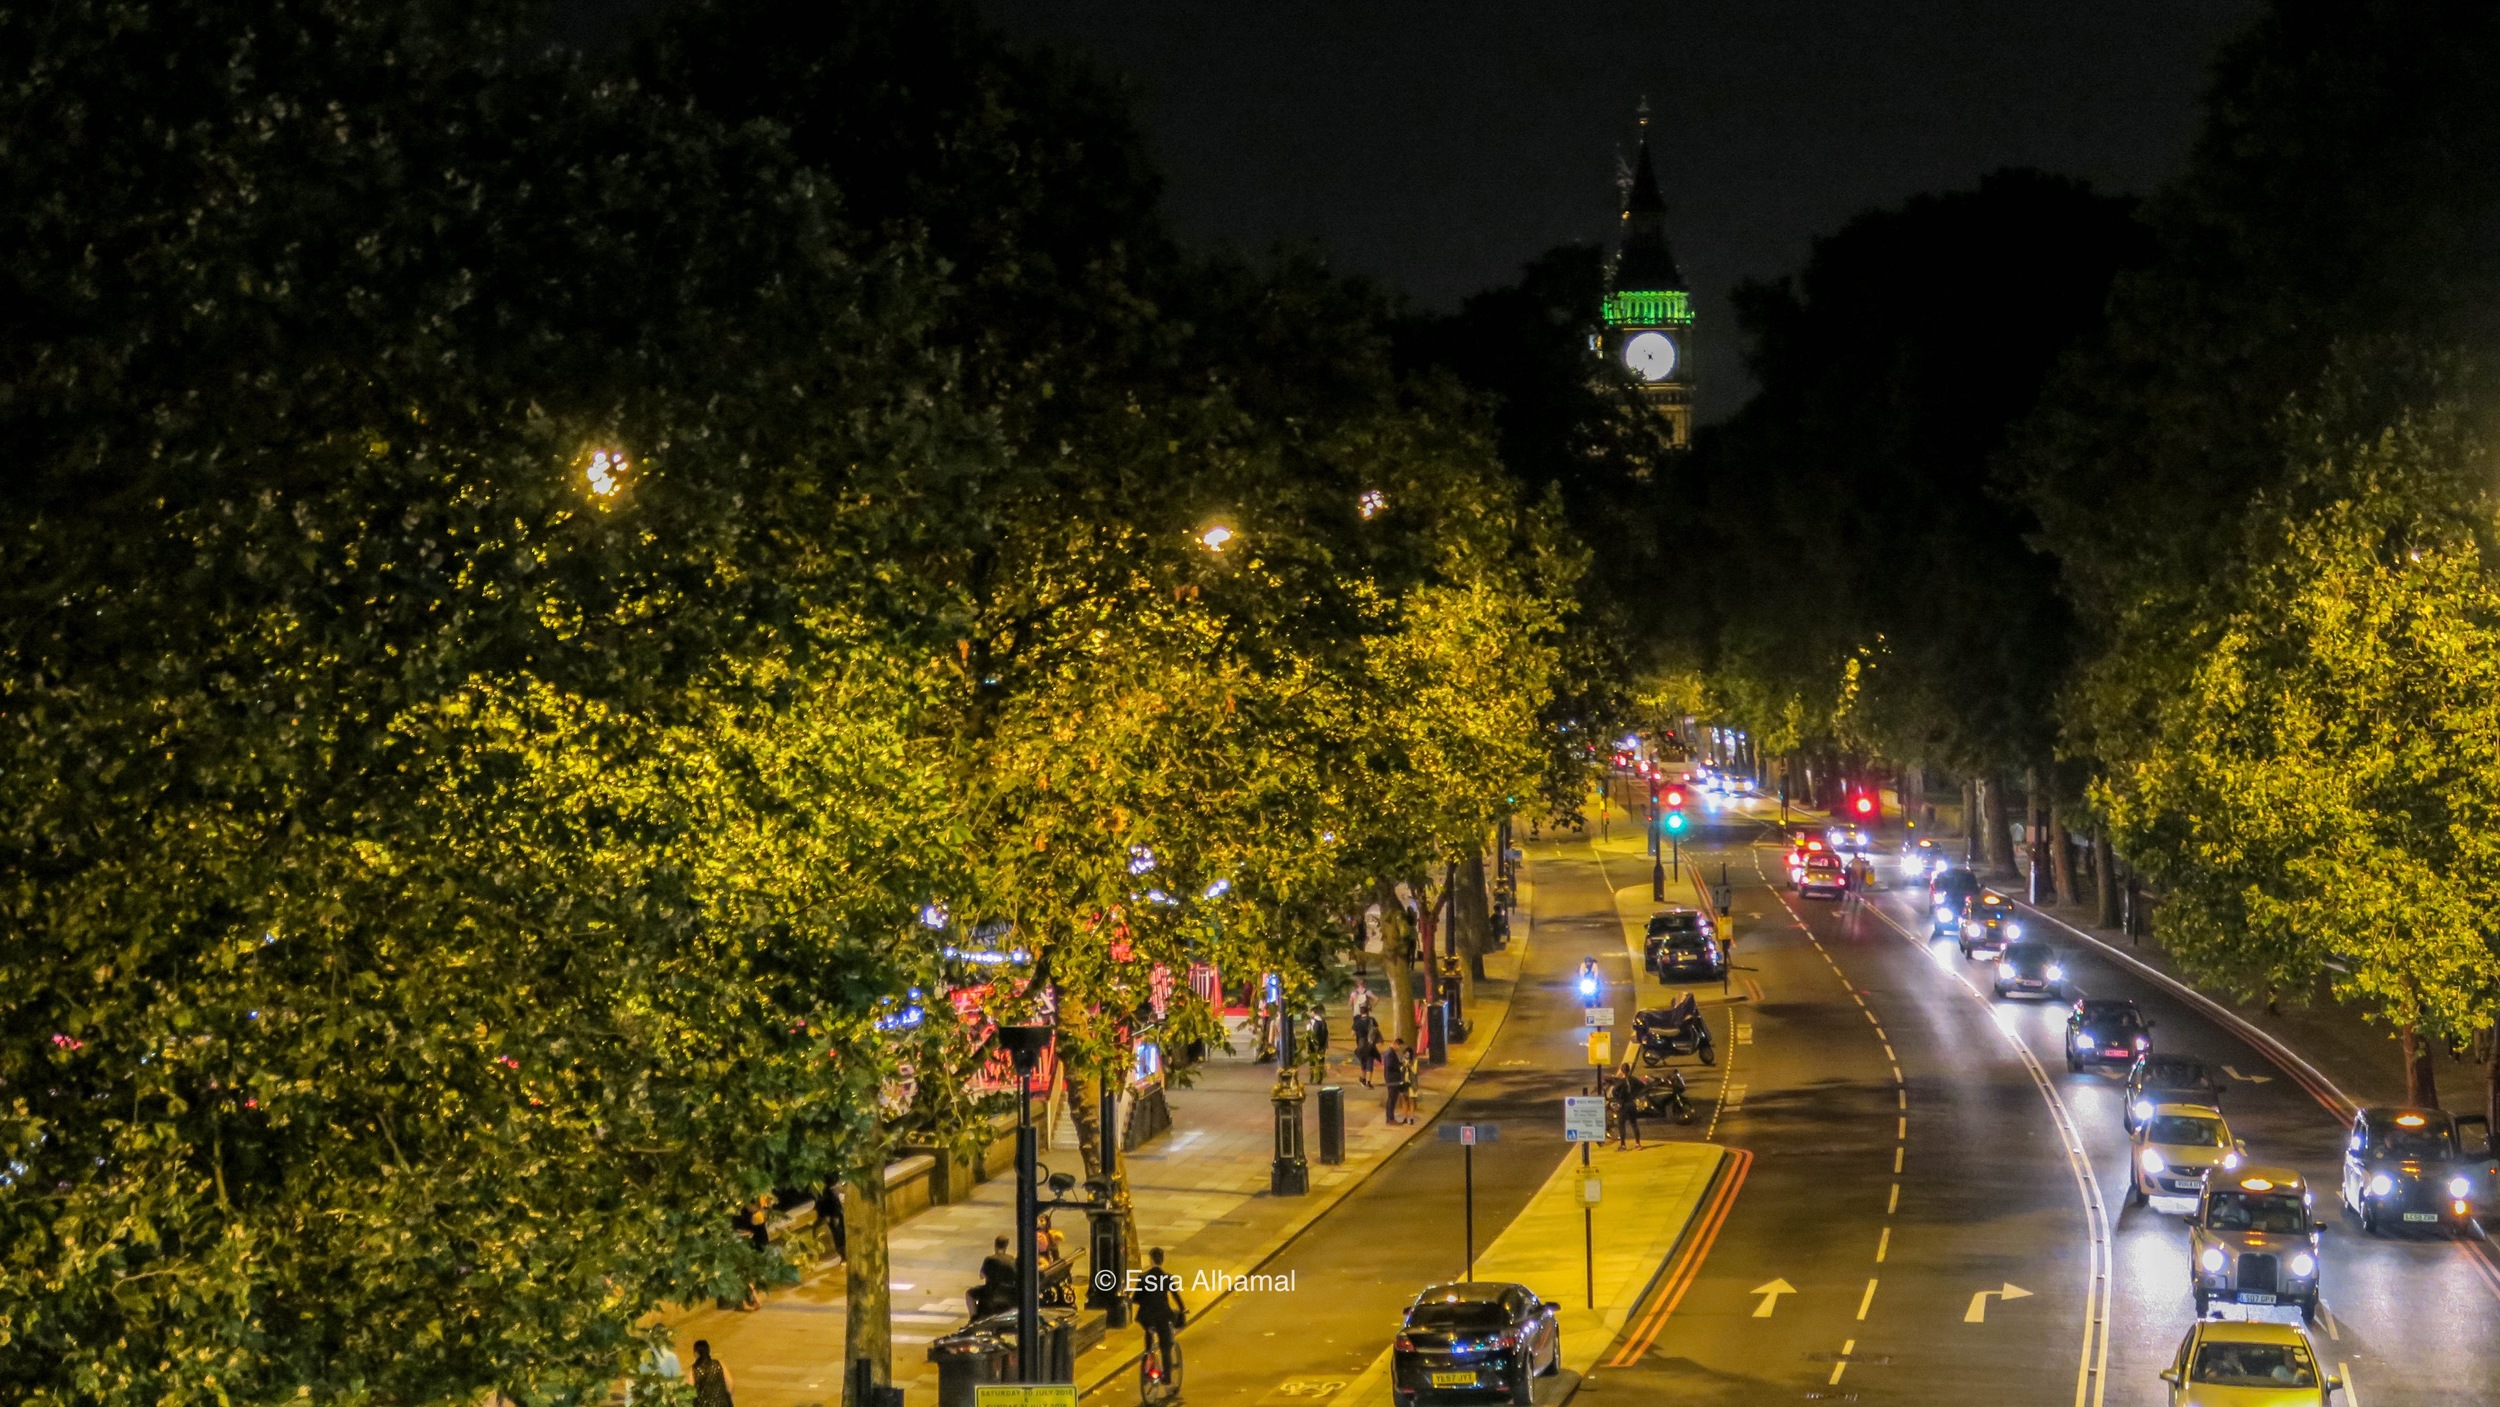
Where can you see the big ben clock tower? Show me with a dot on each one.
(1649, 311)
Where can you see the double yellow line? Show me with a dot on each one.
(1686, 1264)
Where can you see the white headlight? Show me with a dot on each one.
(2211, 1259)
(1944, 914)
(2458, 1187)
(2381, 1184)
(2056, 973)
(2013, 929)
(2304, 1264)
(2005, 969)
(2143, 1110)
(2152, 1161)
(2230, 1161)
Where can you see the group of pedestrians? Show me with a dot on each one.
(1393, 1060)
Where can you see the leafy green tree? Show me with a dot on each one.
(2319, 802)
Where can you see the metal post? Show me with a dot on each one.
(1470, 1160)
(1588, 1235)
(1028, 1264)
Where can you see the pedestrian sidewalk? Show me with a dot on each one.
(1200, 1191)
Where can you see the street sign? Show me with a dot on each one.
(1601, 1016)
(1024, 1395)
(1471, 1134)
(1590, 1187)
(1584, 1118)
(1600, 1048)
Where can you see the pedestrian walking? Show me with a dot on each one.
(1626, 1093)
(829, 1215)
(1362, 1000)
(1393, 1079)
(1366, 1046)
(1267, 1034)
(711, 1380)
(1318, 1036)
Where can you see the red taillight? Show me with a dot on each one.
(1405, 1344)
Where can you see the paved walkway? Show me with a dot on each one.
(1200, 1191)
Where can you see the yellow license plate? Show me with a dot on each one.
(1453, 1380)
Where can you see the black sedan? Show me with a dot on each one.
(1945, 893)
(1477, 1339)
(2105, 1033)
(2031, 969)
(2167, 1079)
(1682, 942)
(2418, 1169)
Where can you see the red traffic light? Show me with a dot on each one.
(1675, 796)
(1866, 805)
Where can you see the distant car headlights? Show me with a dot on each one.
(2230, 1161)
(2381, 1184)
(2458, 1187)
(2056, 973)
(2005, 969)
(1970, 930)
(2304, 1265)
(2152, 1161)
(2143, 1110)
(2013, 929)
(2211, 1259)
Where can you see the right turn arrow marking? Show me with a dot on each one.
(1978, 1311)
(1770, 1296)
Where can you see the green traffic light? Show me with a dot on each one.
(1675, 823)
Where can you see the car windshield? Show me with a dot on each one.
(2030, 955)
(1822, 862)
(1673, 923)
(2106, 1019)
(2269, 1213)
(2254, 1365)
(2393, 1142)
(1956, 882)
(2172, 1073)
(1464, 1316)
(2184, 1131)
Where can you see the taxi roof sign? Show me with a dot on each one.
(2410, 1121)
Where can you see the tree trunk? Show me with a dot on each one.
(1397, 953)
(867, 1281)
(2000, 826)
(1475, 915)
(2105, 878)
(2421, 1076)
(2491, 1079)
(2062, 855)
(1971, 826)
(1085, 1109)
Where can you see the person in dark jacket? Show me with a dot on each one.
(1393, 1079)
(711, 1380)
(1160, 1312)
(1626, 1093)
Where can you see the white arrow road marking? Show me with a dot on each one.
(1978, 1311)
(1770, 1296)
(2247, 1079)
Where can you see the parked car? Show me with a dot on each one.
(1475, 1339)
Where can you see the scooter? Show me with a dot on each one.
(1669, 1031)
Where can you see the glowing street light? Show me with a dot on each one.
(1371, 503)
(1214, 538)
(605, 473)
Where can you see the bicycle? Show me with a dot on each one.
(1155, 1382)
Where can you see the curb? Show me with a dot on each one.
(1639, 1330)
(2281, 1056)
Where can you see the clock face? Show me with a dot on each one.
(1650, 355)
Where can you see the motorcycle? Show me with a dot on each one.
(1592, 988)
(1663, 1097)
(1669, 1031)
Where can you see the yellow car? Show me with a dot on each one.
(2228, 1363)
(2174, 1149)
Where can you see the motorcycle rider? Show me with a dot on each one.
(1592, 986)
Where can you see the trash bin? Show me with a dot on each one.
(1057, 1359)
(1331, 1123)
(1437, 1034)
(971, 1356)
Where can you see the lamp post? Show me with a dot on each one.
(1024, 1046)
(1290, 1174)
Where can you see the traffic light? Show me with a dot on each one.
(1672, 819)
(1865, 809)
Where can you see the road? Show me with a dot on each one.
(1932, 1213)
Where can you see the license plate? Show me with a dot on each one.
(2252, 1297)
(1453, 1380)
(2421, 1216)
(2115, 1050)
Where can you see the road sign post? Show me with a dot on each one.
(1467, 1136)
(1588, 1218)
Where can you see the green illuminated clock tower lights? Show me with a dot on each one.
(1649, 311)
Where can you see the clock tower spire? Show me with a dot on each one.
(1648, 310)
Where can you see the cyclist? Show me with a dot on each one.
(1591, 984)
(1160, 1313)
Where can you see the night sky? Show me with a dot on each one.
(1436, 146)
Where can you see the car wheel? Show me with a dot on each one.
(1523, 1382)
(2000, 990)
(2135, 1193)
(2074, 1068)
(2203, 1302)
(2369, 1218)
(2309, 1310)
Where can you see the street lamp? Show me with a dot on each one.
(605, 473)
(1024, 1046)
(1213, 538)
